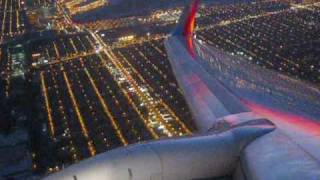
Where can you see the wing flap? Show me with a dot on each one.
(277, 156)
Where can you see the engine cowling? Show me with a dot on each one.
(214, 154)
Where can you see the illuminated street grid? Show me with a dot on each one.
(81, 6)
(275, 35)
(63, 49)
(287, 41)
(94, 104)
(42, 3)
(208, 16)
(150, 60)
(5, 71)
(111, 85)
(12, 19)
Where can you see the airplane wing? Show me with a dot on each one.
(207, 98)
(220, 87)
(252, 123)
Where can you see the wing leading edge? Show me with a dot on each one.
(208, 99)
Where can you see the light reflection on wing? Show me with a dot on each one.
(260, 86)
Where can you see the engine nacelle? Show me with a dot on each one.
(211, 155)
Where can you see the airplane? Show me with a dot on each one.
(253, 123)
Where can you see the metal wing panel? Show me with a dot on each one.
(207, 98)
(278, 156)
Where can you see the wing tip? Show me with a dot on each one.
(186, 24)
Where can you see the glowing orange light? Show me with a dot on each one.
(190, 24)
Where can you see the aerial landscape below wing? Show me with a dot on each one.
(159, 90)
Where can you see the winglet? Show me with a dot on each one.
(186, 22)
